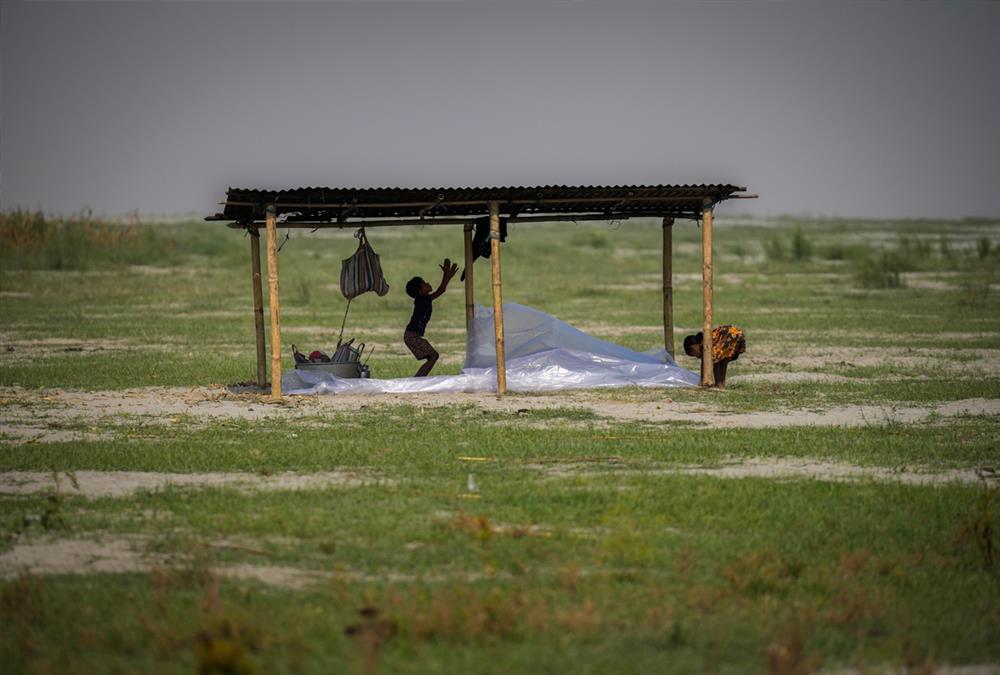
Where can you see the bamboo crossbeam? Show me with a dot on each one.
(497, 298)
(707, 363)
(258, 306)
(273, 301)
(430, 207)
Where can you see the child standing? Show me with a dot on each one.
(423, 297)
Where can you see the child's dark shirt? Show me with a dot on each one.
(421, 314)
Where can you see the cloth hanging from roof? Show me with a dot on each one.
(362, 272)
(481, 247)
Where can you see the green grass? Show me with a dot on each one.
(581, 552)
(680, 573)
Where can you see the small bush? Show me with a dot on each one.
(914, 249)
(801, 247)
(983, 248)
(835, 252)
(739, 250)
(595, 239)
(945, 247)
(974, 292)
(774, 249)
(880, 270)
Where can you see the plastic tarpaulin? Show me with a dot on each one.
(543, 354)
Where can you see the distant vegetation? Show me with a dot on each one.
(33, 240)
(882, 265)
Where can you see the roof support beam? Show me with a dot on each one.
(273, 301)
(497, 298)
(707, 363)
(258, 306)
(668, 286)
(470, 307)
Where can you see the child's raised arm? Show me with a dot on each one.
(448, 270)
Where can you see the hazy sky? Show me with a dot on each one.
(864, 108)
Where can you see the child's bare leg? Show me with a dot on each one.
(428, 364)
(720, 373)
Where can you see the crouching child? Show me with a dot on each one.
(728, 342)
(423, 298)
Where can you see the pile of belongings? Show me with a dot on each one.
(345, 353)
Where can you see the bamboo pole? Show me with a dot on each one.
(258, 306)
(274, 301)
(497, 297)
(707, 364)
(470, 308)
(668, 286)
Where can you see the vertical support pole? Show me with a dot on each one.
(497, 298)
(258, 305)
(668, 286)
(707, 364)
(273, 300)
(470, 308)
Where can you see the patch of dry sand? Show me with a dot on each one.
(937, 669)
(122, 556)
(791, 376)
(165, 404)
(782, 468)
(95, 484)
(75, 556)
(19, 434)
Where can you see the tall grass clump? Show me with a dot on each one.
(33, 240)
(801, 246)
(774, 249)
(917, 252)
(983, 248)
(798, 248)
(879, 269)
(591, 238)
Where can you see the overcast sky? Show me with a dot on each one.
(876, 109)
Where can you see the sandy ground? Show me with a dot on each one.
(95, 484)
(29, 415)
(75, 556)
(936, 669)
(124, 483)
(784, 468)
(118, 555)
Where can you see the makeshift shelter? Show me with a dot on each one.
(316, 208)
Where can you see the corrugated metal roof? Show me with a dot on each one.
(323, 204)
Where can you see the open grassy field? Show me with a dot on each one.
(836, 509)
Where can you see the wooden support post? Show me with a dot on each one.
(470, 308)
(497, 298)
(668, 286)
(707, 364)
(273, 300)
(258, 306)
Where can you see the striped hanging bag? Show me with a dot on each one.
(362, 272)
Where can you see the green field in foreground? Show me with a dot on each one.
(585, 548)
